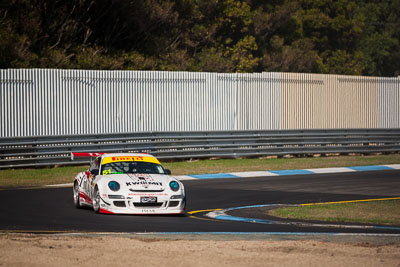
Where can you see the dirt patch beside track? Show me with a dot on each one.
(56, 250)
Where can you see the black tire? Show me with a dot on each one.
(76, 193)
(185, 201)
(96, 200)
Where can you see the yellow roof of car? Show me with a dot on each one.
(143, 158)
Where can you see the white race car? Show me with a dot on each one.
(128, 183)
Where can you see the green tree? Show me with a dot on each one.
(324, 36)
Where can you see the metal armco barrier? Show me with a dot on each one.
(42, 151)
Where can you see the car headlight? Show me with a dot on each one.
(174, 186)
(114, 186)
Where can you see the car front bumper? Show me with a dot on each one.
(134, 205)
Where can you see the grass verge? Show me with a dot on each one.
(43, 176)
(374, 212)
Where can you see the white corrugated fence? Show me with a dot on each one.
(38, 102)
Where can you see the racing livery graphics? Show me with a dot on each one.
(128, 183)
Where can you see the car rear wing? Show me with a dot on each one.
(85, 154)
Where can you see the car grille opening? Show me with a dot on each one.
(147, 191)
(147, 205)
(119, 203)
(173, 203)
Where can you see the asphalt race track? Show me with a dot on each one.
(52, 210)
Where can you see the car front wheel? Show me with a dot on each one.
(77, 200)
(96, 201)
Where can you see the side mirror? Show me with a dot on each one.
(167, 171)
(94, 171)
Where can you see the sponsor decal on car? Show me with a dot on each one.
(149, 211)
(129, 158)
(85, 198)
(143, 183)
(142, 179)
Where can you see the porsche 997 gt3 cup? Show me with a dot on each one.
(128, 183)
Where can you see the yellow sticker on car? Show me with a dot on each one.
(129, 158)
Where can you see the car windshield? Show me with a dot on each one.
(131, 167)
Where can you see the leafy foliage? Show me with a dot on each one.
(359, 37)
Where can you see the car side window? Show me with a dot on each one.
(95, 165)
